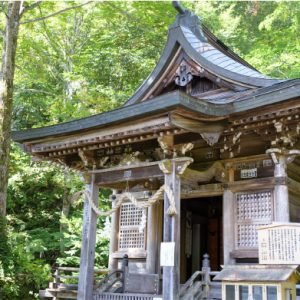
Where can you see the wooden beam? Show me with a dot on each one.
(251, 184)
(102, 135)
(203, 190)
(87, 255)
(248, 253)
(128, 173)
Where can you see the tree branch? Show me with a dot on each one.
(4, 8)
(34, 91)
(56, 13)
(33, 5)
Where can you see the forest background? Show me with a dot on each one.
(89, 60)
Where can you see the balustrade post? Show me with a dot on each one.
(206, 276)
(124, 267)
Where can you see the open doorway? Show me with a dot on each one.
(201, 232)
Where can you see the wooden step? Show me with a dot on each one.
(54, 293)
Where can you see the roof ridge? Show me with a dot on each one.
(187, 18)
(193, 22)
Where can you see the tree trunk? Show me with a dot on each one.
(6, 93)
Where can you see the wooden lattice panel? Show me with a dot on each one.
(253, 209)
(130, 235)
(130, 215)
(247, 235)
(254, 206)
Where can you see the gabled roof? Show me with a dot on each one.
(257, 273)
(188, 35)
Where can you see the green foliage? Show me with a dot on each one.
(21, 274)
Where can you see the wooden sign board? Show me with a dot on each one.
(167, 254)
(279, 243)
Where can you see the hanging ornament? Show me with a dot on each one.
(107, 228)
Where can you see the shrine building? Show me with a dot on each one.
(203, 156)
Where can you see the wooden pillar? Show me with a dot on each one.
(87, 256)
(281, 157)
(159, 220)
(281, 194)
(172, 169)
(228, 226)
(152, 239)
(113, 242)
(228, 220)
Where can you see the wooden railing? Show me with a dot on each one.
(113, 281)
(200, 284)
(65, 283)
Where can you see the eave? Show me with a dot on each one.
(162, 104)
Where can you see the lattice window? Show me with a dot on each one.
(130, 234)
(253, 209)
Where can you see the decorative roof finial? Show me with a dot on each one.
(178, 7)
(188, 19)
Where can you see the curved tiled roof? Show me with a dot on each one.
(210, 53)
(207, 51)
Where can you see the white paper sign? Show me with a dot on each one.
(167, 254)
(279, 244)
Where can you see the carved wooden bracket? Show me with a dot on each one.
(286, 134)
(216, 171)
(167, 144)
(171, 150)
(231, 145)
(180, 164)
(279, 155)
(87, 158)
(209, 131)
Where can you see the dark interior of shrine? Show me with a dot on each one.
(201, 233)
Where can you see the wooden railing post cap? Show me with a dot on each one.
(205, 261)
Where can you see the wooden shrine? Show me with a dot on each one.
(202, 155)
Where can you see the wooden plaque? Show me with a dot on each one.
(279, 243)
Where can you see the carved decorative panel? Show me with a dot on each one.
(130, 234)
(253, 209)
